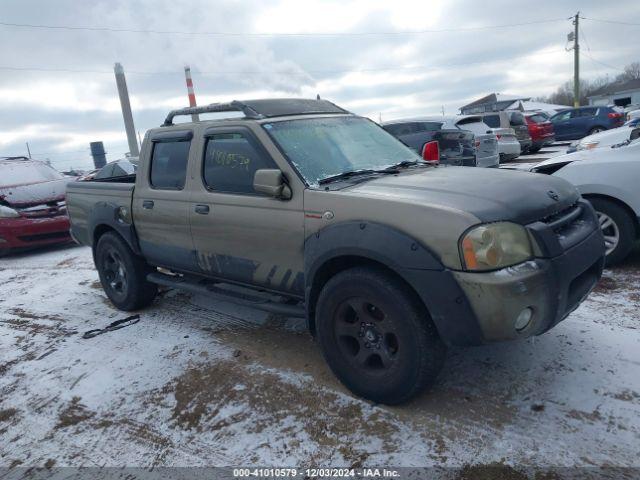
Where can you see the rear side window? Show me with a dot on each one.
(586, 112)
(538, 118)
(492, 120)
(169, 164)
(231, 161)
(559, 117)
(516, 118)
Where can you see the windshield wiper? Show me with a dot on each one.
(403, 164)
(354, 173)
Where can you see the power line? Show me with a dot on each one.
(281, 72)
(269, 34)
(618, 22)
(588, 53)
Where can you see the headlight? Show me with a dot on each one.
(588, 145)
(495, 245)
(6, 212)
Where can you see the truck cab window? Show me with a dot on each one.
(230, 163)
(169, 165)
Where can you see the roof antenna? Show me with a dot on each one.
(318, 96)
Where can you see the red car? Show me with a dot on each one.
(33, 211)
(541, 131)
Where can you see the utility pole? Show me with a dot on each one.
(576, 63)
(192, 95)
(28, 150)
(121, 83)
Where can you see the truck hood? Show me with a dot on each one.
(489, 194)
(33, 193)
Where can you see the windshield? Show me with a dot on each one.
(25, 172)
(324, 147)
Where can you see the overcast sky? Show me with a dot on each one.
(392, 73)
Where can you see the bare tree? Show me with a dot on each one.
(564, 94)
(631, 72)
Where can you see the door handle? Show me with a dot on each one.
(148, 204)
(202, 209)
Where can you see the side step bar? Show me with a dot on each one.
(240, 298)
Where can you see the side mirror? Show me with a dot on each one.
(271, 182)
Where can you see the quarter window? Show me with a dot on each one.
(169, 164)
(492, 120)
(231, 161)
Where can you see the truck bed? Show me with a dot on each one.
(83, 197)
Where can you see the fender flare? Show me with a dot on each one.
(106, 214)
(406, 257)
(375, 241)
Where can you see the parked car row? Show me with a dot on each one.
(456, 141)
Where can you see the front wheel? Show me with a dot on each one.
(376, 337)
(123, 274)
(617, 228)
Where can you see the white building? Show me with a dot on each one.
(620, 93)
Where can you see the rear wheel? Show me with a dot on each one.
(534, 149)
(378, 340)
(617, 228)
(596, 130)
(123, 274)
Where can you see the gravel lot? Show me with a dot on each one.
(202, 382)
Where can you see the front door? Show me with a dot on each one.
(161, 201)
(239, 234)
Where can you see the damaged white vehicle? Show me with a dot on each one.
(609, 178)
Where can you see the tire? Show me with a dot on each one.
(376, 337)
(596, 130)
(534, 149)
(617, 227)
(123, 274)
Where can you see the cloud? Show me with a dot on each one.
(392, 75)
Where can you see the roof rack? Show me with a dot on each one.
(257, 109)
(234, 106)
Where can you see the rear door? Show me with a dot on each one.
(582, 121)
(238, 233)
(161, 201)
(562, 124)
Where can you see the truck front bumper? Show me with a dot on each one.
(550, 288)
(473, 308)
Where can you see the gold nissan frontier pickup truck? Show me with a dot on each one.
(303, 209)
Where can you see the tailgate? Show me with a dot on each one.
(89, 202)
(522, 132)
(486, 145)
(506, 134)
(456, 146)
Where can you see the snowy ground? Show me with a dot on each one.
(202, 382)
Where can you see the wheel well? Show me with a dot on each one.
(98, 232)
(621, 204)
(338, 264)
